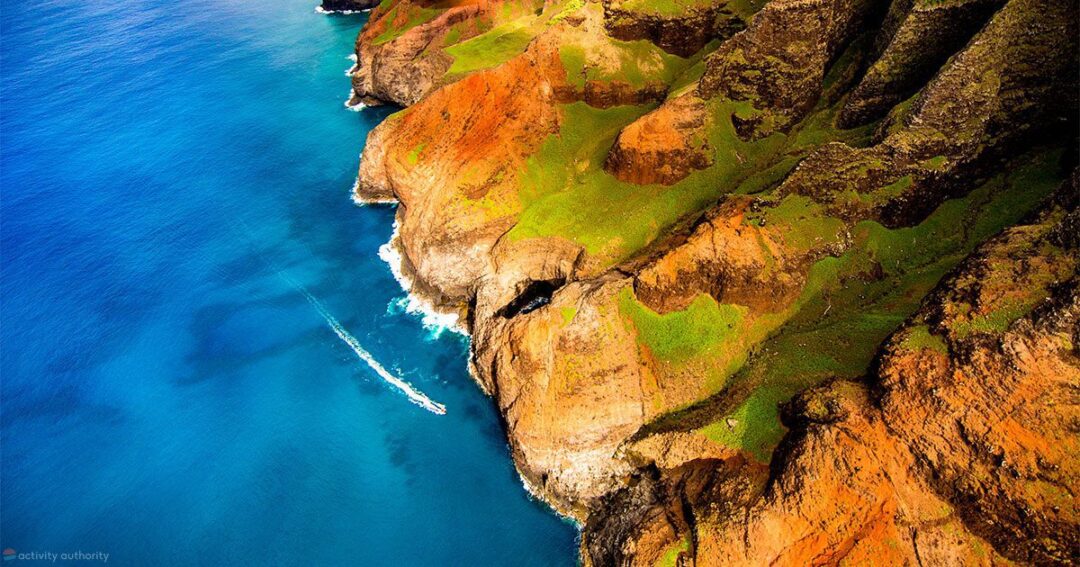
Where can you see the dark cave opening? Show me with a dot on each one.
(536, 295)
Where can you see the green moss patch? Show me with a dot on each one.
(493, 47)
(681, 335)
(670, 557)
(569, 8)
(414, 155)
(743, 428)
(919, 337)
(998, 320)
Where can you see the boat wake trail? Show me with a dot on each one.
(415, 396)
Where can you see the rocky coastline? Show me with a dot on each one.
(754, 282)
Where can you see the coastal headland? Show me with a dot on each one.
(763, 282)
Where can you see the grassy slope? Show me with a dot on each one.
(613, 219)
(566, 193)
(493, 47)
(843, 318)
(497, 45)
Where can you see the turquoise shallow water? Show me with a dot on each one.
(167, 396)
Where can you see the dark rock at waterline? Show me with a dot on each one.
(348, 5)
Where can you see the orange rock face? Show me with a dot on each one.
(460, 145)
(993, 419)
(568, 414)
(661, 147)
(846, 493)
(962, 449)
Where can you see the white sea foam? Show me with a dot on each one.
(352, 70)
(415, 395)
(535, 494)
(436, 321)
(364, 201)
(355, 194)
(321, 10)
(354, 107)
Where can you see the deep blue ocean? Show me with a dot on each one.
(174, 177)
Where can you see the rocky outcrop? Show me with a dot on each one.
(487, 125)
(927, 34)
(348, 5)
(653, 520)
(778, 64)
(661, 147)
(545, 398)
(401, 69)
(771, 75)
(400, 54)
(654, 256)
(845, 493)
(683, 32)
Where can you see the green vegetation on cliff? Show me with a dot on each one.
(416, 16)
(565, 191)
(679, 336)
(493, 47)
(863, 295)
(667, 7)
(670, 557)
